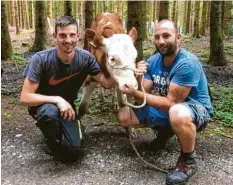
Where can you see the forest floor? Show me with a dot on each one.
(109, 158)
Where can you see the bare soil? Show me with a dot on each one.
(109, 158)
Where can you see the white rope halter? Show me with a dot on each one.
(137, 72)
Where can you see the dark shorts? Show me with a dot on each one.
(154, 117)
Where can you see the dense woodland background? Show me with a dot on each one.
(195, 18)
(206, 27)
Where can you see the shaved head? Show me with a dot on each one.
(167, 38)
(169, 24)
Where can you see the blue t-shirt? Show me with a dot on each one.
(58, 79)
(186, 70)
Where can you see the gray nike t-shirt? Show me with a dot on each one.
(59, 79)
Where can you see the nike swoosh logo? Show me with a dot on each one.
(52, 81)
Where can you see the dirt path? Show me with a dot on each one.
(108, 160)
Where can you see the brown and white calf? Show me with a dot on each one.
(115, 52)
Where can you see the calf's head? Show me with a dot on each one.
(120, 55)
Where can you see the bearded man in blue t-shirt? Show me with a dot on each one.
(177, 98)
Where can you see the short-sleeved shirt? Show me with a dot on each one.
(186, 70)
(58, 79)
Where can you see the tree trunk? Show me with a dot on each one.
(68, 8)
(13, 17)
(181, 16)
(188, 17)
(106, 6)
(119, 6)
(49, 8)
(135, 19)
(144, 19)
(174, 10)
(26, 15)
(196, 23)
(22, 14)
(82, 14)
(6, 47)
(222, 15)
(19, 14)
(17, 19)
(61, 8)
(217, 56)
(208, 17)
(74, 4)
(112, 6)
(55, 9)
(40, 37)
(30, 13)
(89, 16)
(185, 17)
(163, 13)
(157, 10)
(227, 16)
(100, 7)
(204, 17)
(176, 13)
(154, 11)
(8, 12)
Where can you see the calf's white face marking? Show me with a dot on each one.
(121, 52)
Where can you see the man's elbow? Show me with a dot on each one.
(23, 99)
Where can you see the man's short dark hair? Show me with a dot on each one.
(65, 21)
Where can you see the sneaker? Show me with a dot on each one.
(163, 134)
(185, 168)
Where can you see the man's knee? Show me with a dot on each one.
(47, 120)
(48, 112)
(127, 117)
(123, 116)
(179, 115)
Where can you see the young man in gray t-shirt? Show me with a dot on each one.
(52, 80)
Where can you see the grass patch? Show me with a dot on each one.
(204, 55)
(14, 100)
(8, 115)
(19, 59)
(228, 52)
(100, 108)
(97, 105)
(228, 46)
(223, 103)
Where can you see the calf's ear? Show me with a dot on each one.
(133, 34)
(90, 34)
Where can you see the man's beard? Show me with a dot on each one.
(171, 49)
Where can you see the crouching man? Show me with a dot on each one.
(177, 97)
(52, 80)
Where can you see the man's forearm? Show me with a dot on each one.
(33, 99)
(139, 80)
(158, 102)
